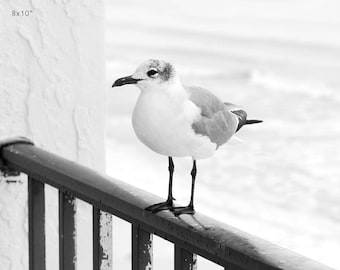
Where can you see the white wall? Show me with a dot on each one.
(52, 91)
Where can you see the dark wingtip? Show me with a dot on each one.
(249, 122)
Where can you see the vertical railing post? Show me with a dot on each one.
(97, 249)
(141, 249)
(184, 260)
(67, 231)
(36, 224)
(102, 240)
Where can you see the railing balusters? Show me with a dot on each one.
(97, 250)
(102, 259)
(223, 244)
(184, 260)
(67, 232)
(36, 224)
(141, 249)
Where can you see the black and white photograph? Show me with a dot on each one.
(161, 135)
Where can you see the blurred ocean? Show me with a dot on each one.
(280, 60)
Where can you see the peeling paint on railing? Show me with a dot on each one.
(106, 240)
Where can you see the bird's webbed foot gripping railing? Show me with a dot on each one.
(191, 234)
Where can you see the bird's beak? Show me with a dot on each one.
(125, 80)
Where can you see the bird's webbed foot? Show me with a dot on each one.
(167, 205)
(183, 210)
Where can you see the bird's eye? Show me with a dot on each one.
(152, 72)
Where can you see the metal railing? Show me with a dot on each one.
(227, 246)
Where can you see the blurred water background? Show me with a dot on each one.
(280, 60)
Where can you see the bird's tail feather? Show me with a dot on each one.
(254, 121)
(242, 119)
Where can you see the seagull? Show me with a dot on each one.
(179, 121)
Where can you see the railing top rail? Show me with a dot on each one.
(207, 237)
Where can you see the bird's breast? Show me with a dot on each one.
(164, 124)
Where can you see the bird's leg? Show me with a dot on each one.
(190, 208)
(169, 201)
(171, 169)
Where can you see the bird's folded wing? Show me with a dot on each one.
(231, 107)
(216, 122)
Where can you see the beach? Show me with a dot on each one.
(280, 60)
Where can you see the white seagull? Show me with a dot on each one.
(179, 121)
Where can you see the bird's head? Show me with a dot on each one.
(149, 75)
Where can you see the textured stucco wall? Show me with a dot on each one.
(52, 91)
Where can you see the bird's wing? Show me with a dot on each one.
(231, 107)
(216, 121)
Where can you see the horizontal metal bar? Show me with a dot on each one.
(202, 235)
(230, 266)
(36, 224)
(5, 170)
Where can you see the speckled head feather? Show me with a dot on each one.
(151, 75)
(165, 69)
